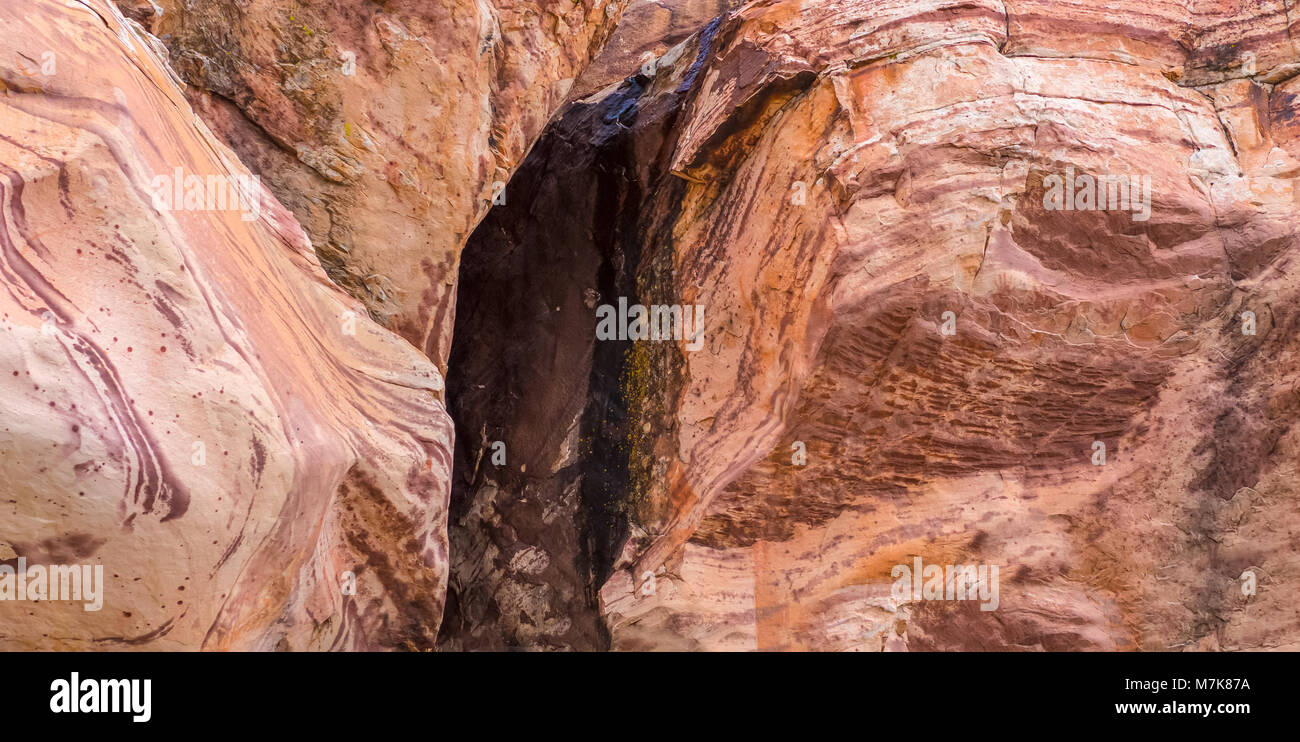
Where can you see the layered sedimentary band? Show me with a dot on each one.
(1005, 284)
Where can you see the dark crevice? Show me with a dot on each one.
(533, 539)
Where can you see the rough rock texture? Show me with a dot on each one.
(532, 532)
(647, 30)
(856, 192)
(923, 133)
(828, 179)
(387, 128)
(185, 397)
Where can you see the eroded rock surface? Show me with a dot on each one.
(186, 399)
(910, 349)
(646, 31)
(541, 457)
(856, 170)
(829, 180)
(388, 128)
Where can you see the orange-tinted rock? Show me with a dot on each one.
(186, 399)
(647, 29)
(829, 181)
(914, 349)
(387, 128)
(854, 172)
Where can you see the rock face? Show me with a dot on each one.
(911, 348)
(1001, 283)
(646, 31)
(186, 399)
(387, 128)
(922, 137)
(540, 460)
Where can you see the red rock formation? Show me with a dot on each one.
(187, 400)
(647, 30)
(912, 348)
(828, 180)
(856, 170)
(387, 128)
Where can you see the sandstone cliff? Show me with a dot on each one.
(917, 343)
(187, 399)
(389, 129)
(829, 181)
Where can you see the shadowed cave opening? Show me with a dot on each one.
(533, 538)
(561, 439)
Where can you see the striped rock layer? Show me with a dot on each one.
(854, 171)
(909, 351)
(187, 400)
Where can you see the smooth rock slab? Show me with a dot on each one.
(186, 399)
